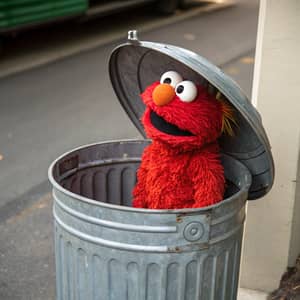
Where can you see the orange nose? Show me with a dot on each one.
(163, 94)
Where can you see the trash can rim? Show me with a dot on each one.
(57, 186)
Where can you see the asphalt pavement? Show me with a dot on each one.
(53, 108)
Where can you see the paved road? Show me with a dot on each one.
(51, 109)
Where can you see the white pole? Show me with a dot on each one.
(272, 236)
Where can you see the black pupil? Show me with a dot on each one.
(180, 89)
(167, 80)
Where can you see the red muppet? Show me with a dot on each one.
(181, 168)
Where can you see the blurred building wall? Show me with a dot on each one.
(272, 236)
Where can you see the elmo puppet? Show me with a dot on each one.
(181, 168)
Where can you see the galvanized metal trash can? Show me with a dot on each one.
(107, 250)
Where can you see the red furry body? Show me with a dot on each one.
(181, 171)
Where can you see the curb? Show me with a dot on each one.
(247, 294)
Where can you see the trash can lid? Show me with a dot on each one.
(136, 64)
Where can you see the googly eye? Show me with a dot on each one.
(186, 91)
(171, 77)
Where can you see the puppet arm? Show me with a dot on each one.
(207, 175)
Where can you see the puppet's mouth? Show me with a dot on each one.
(162, 125)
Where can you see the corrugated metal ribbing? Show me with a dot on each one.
(18, 12)
(117, 279)
(153, 286)
(221, 275)
(102, 276)
(172, 282)
(99, 186)
(113, 186)
(132, 281)
(85, 273)
(127, 185)
(58, 265)
(111, 252)
(191, 290)
(69, 270)
(237, 258)
(82, 275)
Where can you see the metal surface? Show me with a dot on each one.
(135, 65)
(105, 249)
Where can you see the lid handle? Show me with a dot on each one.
(133, 36)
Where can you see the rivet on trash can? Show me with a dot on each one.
(193, 231)
(178, 219)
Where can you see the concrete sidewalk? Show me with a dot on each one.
(245, 294)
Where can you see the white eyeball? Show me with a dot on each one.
(171, 77)
(186, 91)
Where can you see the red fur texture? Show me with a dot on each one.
(181, 171)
